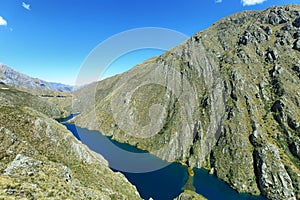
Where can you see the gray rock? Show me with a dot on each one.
(277, 70)
(288, 27)
(277, 106)
(297, 35)
(268, 30)
(257, 138)
(272, 175)
(295, 147)
(272, 55)
(273, 19)
(259, 52)
(293, 124)
(245, 38)
(22, 165)
(67, 172)
(297, 45)
(10, 191)
(260, 36)
(296, 23)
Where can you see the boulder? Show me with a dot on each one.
(273, 19)
(296, 23)
(297, 45)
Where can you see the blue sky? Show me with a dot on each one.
(50, 39)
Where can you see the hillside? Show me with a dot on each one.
(227, 99)
(52, 104)
(41, 159)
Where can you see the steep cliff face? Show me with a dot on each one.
(40, 159)
(227, 98)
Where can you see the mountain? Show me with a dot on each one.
(14, 78)
(40, 158)
(227, 99)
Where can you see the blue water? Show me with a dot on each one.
(166, 181)
(64, 120)
(214, 189)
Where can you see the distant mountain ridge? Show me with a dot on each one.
(13, 78)
(62, 87)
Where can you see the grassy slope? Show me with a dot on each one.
(52, 155)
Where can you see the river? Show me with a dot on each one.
(167, 180)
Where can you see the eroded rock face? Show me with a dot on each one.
(295, 147)
(227, 98)
(273, 179)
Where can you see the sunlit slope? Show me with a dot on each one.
(227, 98)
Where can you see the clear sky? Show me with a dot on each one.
(50, 39)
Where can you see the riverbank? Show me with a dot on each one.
(167, 181)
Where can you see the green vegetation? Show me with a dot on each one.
(190, 195)
(40, 158)
(54, 107)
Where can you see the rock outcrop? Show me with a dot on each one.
(227, 98)
(190, 195)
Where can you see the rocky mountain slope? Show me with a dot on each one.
(14, 78)
(40, 159)
(226, 99)
(52, 104)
